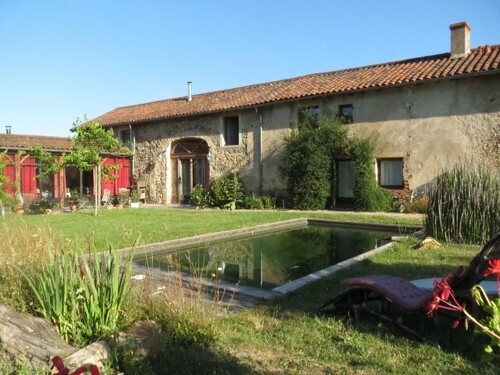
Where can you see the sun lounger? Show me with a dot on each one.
(396, 300)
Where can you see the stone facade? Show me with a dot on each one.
(431, 126)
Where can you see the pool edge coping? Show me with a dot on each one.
(282, 290)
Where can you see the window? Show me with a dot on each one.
(311, 113)
(390, 173)
(124, 136)
(345, 113)
(231, 131)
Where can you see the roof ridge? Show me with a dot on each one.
(480, 60)
(34, 135)
(284, 80)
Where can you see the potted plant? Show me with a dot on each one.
(19, 205)
(119, 201)
(134, 199)
(73, 200)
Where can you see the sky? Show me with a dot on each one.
(65, 59)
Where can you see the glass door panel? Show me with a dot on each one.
(198, 172)
(185, 178)
(345, 179)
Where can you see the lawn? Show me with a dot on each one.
(122, 228)
(285, 336)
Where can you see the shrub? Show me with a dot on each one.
(253, 202)
(227, 191)
(418, 206)
(309, 154)
(464, 204)
(368, 196)
(309, 157)
(201, 196)
(269, 202)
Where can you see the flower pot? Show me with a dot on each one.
(134, 204)
(20, 209)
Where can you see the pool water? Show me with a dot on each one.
(271, 260)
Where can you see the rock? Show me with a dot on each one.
(429, 243)
(93, 354)
(143, 338)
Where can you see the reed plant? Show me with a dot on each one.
(82, 295)
(55, 286)
(464, 203)
(103, 287)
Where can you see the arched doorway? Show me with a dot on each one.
(190, 167)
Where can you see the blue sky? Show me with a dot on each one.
(61, 59)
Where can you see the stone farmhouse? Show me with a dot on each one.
(426, 114)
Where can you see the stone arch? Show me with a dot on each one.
(189, 167)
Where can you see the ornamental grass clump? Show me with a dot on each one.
(464, 204)
(81, 294)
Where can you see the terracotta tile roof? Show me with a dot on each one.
(20, 142)
(480, 60)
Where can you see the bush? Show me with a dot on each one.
(368, 196)
(309, 157)
(253, 202)
(227, 191)
(269, 201)
(418, 206)
(224, 192)
(309, 154)
(201, 196)
(256, 202)
(464, 204)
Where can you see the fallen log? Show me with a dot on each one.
(30, 338)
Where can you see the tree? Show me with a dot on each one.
(90, 144)
(4, 197)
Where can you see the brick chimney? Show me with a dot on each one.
(460, 40)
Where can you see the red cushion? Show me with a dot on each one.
(397, 290)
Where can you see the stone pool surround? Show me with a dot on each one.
(188, 242)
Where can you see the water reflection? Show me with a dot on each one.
(272, 260)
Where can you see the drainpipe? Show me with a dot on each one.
(132, 141)
(261, 164)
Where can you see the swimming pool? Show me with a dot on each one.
(270, 258)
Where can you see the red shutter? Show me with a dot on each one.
(28, 180)
(123, 181)
(108, 184)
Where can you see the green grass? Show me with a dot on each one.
(121, 228)
(285, 336)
